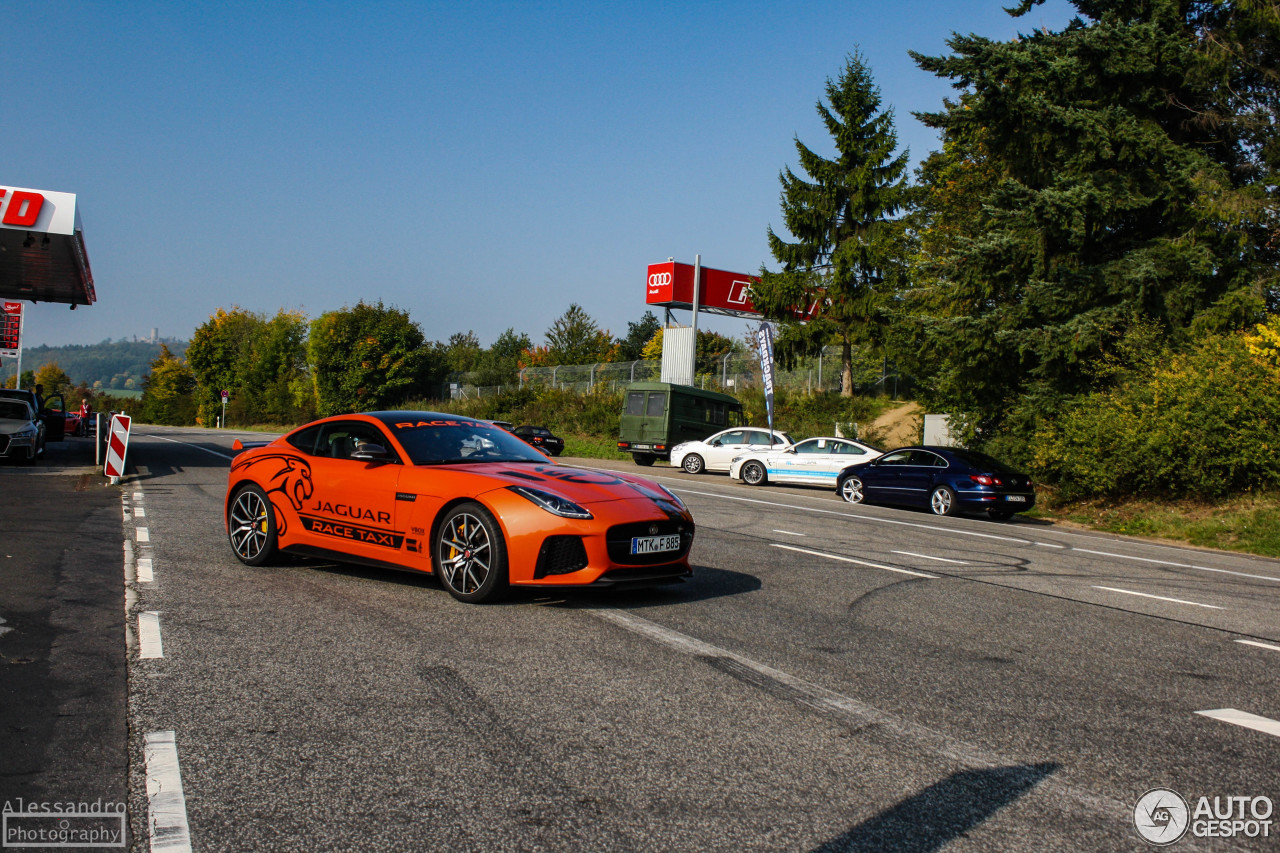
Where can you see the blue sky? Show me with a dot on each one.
(481, 166)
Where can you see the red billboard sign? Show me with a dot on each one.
(670, 285)
(11, 329)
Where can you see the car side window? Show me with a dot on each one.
(900, 458)
(814, 446)
(635, 403)
(848, 450)
(777, 439)
(737, 436)
(340, 440)
(305, 440)
(926, 459)
(657, 404)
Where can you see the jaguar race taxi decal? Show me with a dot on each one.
(280, 473)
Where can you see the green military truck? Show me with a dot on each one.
(656, 416)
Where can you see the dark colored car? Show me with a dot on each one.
(52, 414)
(947, 480)
(541, 438)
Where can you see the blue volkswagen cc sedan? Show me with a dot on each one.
(947, 480)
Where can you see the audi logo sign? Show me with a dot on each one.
(670, 285)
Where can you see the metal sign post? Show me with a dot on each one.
(225, 395)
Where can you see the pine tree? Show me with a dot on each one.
(847, 249)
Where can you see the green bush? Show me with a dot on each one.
(1205, 423)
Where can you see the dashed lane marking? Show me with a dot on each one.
(1259, 645)
(1160, 597)
(1245, 719)
(166, 804)
(149, 645)
(927, 557)
(852, 560)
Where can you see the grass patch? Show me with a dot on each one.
(1247, 523)
(593, 447)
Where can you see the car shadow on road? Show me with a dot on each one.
(942, 812)
(706, 583)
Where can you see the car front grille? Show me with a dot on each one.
(618, 541)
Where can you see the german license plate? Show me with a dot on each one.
(654, 544)
(1018, 499)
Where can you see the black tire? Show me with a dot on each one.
(851, 489)
(470, 555)
(644, 460)
(251, 527)
(942, 501)
(754, 474)
(999, 514)
(693, 464)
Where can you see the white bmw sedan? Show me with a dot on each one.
(813, 462)
(715, 452)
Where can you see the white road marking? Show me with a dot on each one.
(927, 557)
(137, 496)
(789, 533)
(934, 528)
(1160, 597)
(1177, 565)
(139, 512)
(851, 560)
(3, 630)
(143, 534)
(1048, 545)
(149, 645)
(1259, 645)
(145, 573)
(1245, 719)
(166, 804)
(189, 444)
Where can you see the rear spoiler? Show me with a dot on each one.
(239, 445)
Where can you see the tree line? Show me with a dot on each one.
(286, 369)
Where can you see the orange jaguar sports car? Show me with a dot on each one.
(455, 497)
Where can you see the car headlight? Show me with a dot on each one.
(735, 460)
(681, 446)
(553, 504)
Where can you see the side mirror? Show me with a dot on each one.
(372, 453)
(715, 442)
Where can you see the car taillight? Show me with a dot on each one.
(985, 479)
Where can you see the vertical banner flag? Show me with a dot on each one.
(765, 336)
(11, 330)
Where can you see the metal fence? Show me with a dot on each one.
(730, 373)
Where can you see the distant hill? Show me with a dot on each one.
(118, 365)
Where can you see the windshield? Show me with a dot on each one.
(442, 441)
(14, 410)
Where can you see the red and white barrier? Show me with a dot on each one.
(117, 445)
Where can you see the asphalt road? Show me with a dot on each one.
(834, 678)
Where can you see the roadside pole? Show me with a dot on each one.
(697, 294)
